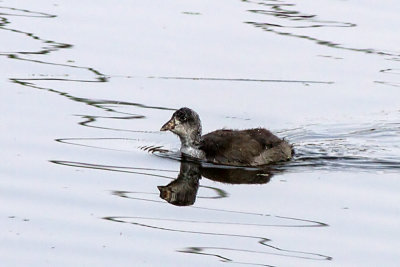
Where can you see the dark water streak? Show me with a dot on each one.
(261, 240)
(278, 9)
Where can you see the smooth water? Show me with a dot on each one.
(87, 178)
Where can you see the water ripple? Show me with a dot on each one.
(289, 18)
(364, 147)
(229, 231)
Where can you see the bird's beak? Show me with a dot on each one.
(170, 125)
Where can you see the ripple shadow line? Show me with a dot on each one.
(68, 142)
(279, 10)
(110, 168)
(261, 240)
(307, 223)
(238, 79)
(199, 251)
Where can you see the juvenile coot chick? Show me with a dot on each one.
(252, 147)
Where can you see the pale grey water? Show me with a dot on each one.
(85, 88)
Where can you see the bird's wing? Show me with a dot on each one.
(227, 146)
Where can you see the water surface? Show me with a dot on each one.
(87, 176)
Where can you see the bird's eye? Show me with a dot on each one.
(182, 118)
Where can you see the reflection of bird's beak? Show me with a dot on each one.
(170, 125)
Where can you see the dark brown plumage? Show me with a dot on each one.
(246, 147)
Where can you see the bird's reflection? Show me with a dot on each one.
(183, 190)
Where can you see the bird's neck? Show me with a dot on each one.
(190, 145)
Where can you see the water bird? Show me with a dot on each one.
(251, 147)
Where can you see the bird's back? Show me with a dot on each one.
(251, 147)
